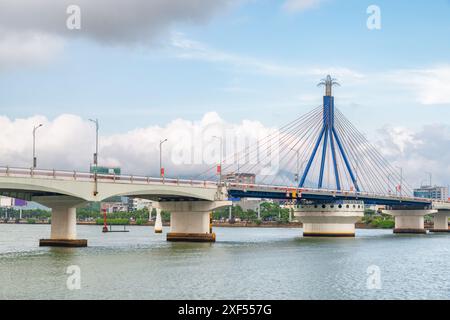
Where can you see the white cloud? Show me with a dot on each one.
(67, 142)
(429, 85)
(34, 31)
(418, 152)
(28, 48)
(107, 21)
(301, 5)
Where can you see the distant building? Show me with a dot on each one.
(112, 207)
(12, 202)
(138, 204)
(248, 178)
(6, 202)
(248, 203)
(376, 207)
(429, 192)
(245, 178)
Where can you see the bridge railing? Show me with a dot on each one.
(89, 176)
(291, 189)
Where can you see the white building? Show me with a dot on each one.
(139, 204)
(429, 192)
(6, 202)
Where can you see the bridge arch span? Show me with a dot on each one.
(159, 192)
(32, 191)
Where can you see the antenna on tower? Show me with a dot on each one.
(328, 82)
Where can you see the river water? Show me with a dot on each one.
(244, 263)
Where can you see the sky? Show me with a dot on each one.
(156, 69)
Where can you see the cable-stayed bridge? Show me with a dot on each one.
(321, 150)
(320, 163)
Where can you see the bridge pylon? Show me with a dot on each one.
(335, 219)
(330, 139)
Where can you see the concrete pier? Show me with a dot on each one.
(329, 219)
(190, 220)
(64, 222)
(440, 220)
(158, 221)
(409, 221)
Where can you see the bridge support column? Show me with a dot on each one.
(440, 221)
(158, 222)
(64, 222)
(409, 220)
(191, 220)
(329, 219)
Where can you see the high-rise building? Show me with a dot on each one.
(429, 192)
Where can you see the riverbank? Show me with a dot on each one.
(240, 224)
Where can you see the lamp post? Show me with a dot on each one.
(220, 158)
(431, 175)
(96, 141)
(297, 151)
(401, 180)
(161, 169)
(96, 163)
(389, 183)
(34, 144)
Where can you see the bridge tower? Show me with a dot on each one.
(330, 219)
(328, 136)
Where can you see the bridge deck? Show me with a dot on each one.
(235, 190)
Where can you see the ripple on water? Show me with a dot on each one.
(245, 263)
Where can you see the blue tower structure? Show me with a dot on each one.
(328, 134)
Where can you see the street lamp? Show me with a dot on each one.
(34, 144)
(299, 165)
(389, 183)
(430, 174)
(297, 151)
(220, 160)
(161, 170)
(96, 141)
(401, 180)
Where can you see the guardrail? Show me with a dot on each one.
(88, 176)
(331, 191)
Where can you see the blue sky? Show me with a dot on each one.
(137, 84)
(254, 59)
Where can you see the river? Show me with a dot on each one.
(244, 263)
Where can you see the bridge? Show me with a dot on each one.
(343, 173)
